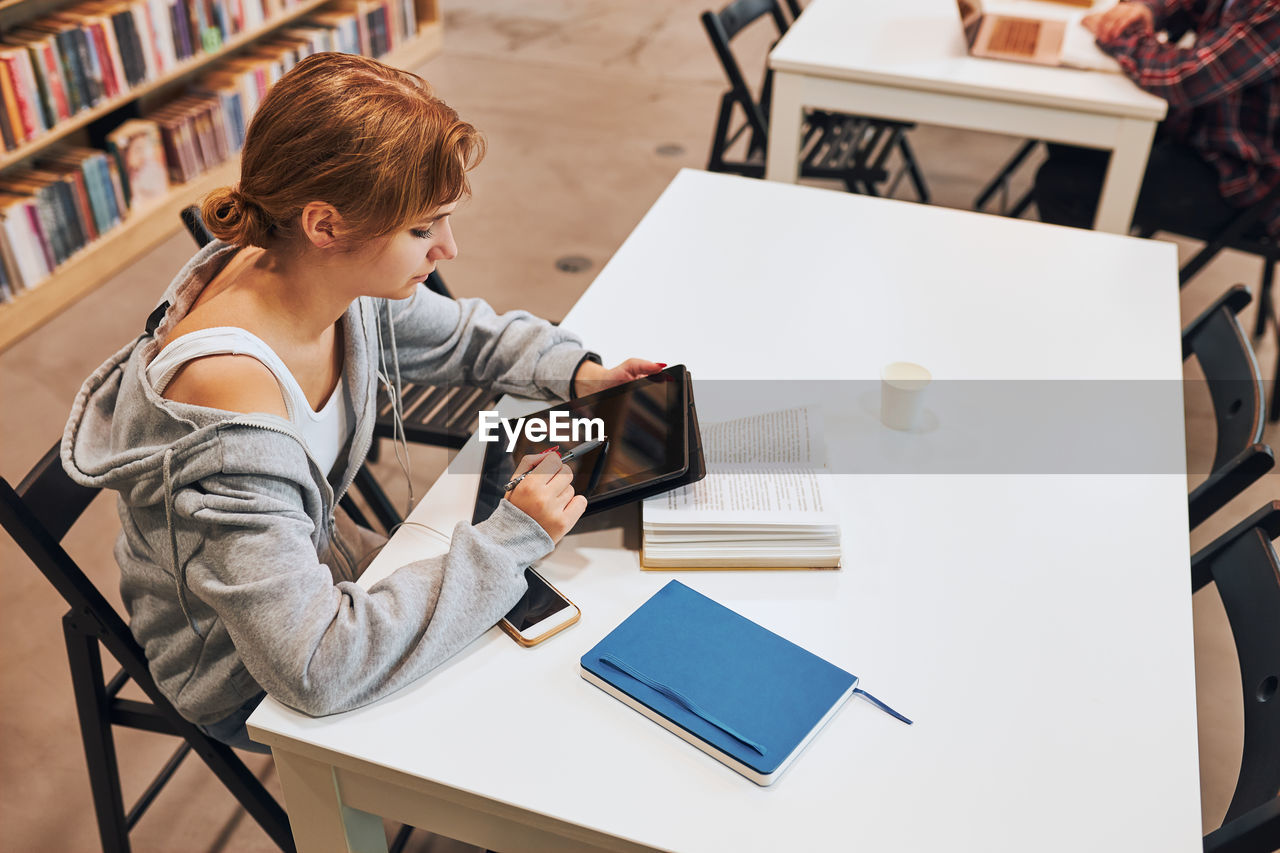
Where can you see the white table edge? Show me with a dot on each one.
(1152, 108)
(375, 789)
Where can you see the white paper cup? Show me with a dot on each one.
(902, 387)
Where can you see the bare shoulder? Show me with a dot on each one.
(234, 383)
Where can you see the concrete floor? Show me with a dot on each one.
(590, 108)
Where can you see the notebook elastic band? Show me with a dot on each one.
(883, 707)
(679, 698)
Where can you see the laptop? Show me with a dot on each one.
(1023, 38)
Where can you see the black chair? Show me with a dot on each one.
(1243, 565)
(1001, 184)
(437, 415)
(852, 149)
(38, 515)
(1244, 233)
(1220, 346)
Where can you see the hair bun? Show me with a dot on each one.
(234, 217)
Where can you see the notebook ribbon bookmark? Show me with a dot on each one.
(682, 700)
(883, 707)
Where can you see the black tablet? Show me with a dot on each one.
(646, 424)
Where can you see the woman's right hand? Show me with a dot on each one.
(546, 495)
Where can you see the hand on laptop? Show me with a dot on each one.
(1121, 19)
(591, 377)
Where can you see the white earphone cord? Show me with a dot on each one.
(399, 439)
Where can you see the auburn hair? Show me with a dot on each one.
(369, 139)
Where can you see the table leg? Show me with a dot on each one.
(319, 820)
(1124, 176)
(785, 116)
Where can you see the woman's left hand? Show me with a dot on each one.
(592, 377)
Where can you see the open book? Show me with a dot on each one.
(766, 501)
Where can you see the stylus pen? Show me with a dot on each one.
(573, 453)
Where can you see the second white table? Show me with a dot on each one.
(907, 60)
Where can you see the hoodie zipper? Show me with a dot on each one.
(330, 500)
(331, 497)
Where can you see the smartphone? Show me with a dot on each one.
(543, 612)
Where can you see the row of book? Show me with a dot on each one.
(50, 211)
(59, 65)
(71, 195)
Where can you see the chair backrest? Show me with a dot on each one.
(195, 225)
(722, 27)
(1243, 565)
(38, 514)
(1231, 371)
(1235, 387)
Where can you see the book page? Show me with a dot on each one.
(745, 495)
(787, 436)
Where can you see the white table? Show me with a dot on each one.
(1037, 626)
(907, 60)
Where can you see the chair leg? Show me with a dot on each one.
(1005, 174)
(92, 705)
(1265, 297)
(1274, 414)
(913, 169)
(715, 163)
(253, 797)
(1022, 204)
(402, 838)
(376, 498)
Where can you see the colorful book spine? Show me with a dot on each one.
(89, 66)
(6, 126)
(52, 78)
(166, 49)
(70, 55)
(25, 246)
(110, 87)
(17, 65)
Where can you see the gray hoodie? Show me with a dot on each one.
(233, 572)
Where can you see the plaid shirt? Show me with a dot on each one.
(1223, 91)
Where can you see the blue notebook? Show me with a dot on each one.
(735, 690)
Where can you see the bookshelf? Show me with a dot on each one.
(144, 229)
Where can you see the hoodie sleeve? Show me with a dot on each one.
(436, 339)
(323, 647)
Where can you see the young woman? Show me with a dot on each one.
(235, 424)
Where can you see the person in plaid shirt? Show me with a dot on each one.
(1218, 149)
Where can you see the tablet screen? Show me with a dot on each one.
(643, 420)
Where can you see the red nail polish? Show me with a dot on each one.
(661, 366)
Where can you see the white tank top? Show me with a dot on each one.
(324, 432)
